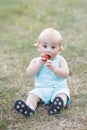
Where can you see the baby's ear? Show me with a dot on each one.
(36, 44)
(38, 47)
(60, 48)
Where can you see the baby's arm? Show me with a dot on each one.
(62, 71)
(34, 67)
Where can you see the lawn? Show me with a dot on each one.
(21, 21)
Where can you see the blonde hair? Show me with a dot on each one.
(50, 34)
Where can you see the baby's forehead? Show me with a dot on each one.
(50, 35)
(47, 33)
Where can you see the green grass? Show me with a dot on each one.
(20, 23)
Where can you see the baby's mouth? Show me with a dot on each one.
(46, 56)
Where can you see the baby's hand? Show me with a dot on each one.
(45, 57)
(50, 65)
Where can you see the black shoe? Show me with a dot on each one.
(56, 106)
(22, 108)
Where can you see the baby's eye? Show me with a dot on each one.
(45, 46)
(53, 47)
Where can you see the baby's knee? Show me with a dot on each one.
(34, 97)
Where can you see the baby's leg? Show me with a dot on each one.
(32, 100)
(59, 102)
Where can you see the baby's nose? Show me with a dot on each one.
(48, 49)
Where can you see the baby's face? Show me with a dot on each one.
(50, 49)
(49, 41)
